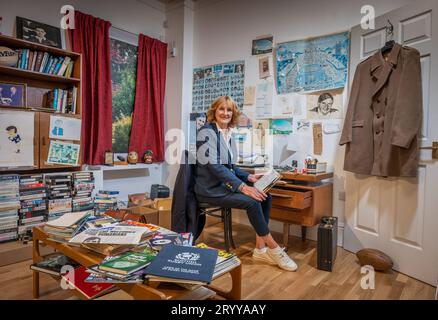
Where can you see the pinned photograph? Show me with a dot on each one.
(264, 68)
(281, 126)
(262, 45)
(38, 32)
(325, 105)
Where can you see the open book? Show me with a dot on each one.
(267, 181)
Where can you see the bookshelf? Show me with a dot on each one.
(38, 87)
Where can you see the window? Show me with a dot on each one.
(123, 75)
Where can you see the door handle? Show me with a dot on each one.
(434, 149)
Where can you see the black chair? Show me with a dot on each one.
(225, 215)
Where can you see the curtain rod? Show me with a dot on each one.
(160, 37)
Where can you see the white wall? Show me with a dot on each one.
(224, 31)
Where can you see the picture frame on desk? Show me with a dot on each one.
(12, 94)
(38, 32)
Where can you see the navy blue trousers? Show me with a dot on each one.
(258, 212)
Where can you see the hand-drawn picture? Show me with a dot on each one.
(63, 153)
(313, 64)
(64, 128)
(16, 139)
(38, 32)
(58, 130)
(262, 45)
(303, 125)
(327, 105)
(12, 94)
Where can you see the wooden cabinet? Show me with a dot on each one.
(301, 200)
(38, 84)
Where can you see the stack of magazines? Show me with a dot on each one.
(33, 198)
(9, 204)
(225, 260)
(64, 228)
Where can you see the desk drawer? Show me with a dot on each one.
(291, 198)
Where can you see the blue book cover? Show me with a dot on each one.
(185, 263)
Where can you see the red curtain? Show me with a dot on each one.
(147, 132)
(91, 38)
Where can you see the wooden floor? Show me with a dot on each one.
(260, 281)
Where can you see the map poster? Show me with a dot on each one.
(313, 64)
(209, 83)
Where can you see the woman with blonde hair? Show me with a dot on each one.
(219, 182)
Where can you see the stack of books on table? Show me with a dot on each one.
(59, 194)
(105, 200)
(225, 260)
(9, 205)
(64, 228)
(83, 185)
(181, 264)
(33, 199)
(128, 267)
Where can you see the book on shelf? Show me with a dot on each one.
(61, 100)
(44, 62)
(183, 264)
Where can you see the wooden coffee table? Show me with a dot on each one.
(141, 291)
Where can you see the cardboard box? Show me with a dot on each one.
(139, 199)
(150, 214)
(164, 207)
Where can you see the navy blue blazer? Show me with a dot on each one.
(216, 173)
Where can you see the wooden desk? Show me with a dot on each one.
(136, 290)
(301, 199)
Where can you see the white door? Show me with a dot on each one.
(399, 216)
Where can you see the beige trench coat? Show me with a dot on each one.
(384, 115)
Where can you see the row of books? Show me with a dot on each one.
(61, 100)
(44, 62)
(9, 205)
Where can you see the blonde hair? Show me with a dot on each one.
(211, 113)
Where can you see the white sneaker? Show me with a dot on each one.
(282, 259)
(262, 256)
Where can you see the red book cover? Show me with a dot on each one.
(89, 290)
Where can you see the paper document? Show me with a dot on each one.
(267, 181)
(112, 235)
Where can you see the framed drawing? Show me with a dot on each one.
(38, 32)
